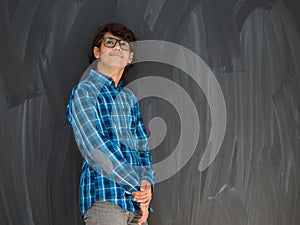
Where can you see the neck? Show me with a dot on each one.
(113, 73)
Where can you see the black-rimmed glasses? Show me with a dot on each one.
(111, 42)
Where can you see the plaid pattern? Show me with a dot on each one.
(111, 136)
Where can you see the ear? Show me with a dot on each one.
(130, 58)
(96, 52)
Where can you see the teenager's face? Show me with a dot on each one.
(116, 57)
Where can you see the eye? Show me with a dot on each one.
(125, 45)
(109, 42)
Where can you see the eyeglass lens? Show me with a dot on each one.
(111, 43)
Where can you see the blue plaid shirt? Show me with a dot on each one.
(111, 136)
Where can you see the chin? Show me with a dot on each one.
(118, 66)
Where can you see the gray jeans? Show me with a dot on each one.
(106, 213)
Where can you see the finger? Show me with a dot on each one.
(142, 219)
(138, 193)
(141, 193)
(143, 196)
(145, 187)
(142, 199)
(148, 186)
(144, 212)
(146, 203)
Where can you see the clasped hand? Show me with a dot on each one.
(144, 197)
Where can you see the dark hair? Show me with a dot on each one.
(116, 29)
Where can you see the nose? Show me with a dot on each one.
(118, 46)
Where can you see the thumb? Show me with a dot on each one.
(143, 188)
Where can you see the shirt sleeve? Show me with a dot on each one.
(102, 154)
(147, 172)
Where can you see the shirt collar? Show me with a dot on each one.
(105, 80)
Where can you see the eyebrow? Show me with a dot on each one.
(117, 39)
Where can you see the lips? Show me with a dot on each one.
(116, 54)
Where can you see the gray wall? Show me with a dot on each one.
(253, 48)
